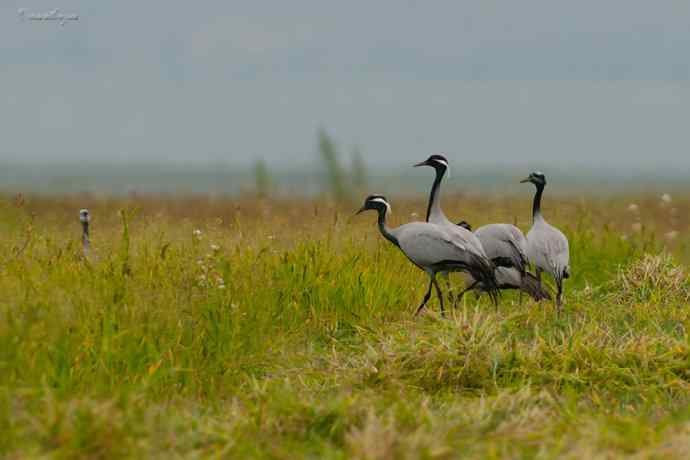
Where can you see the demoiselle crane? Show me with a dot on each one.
(432, 248)
(85, 218)
(435, 215)
(506, 247)
(547, 246)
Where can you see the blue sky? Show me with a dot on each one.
(492, 82)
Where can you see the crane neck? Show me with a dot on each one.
(434, 205)
(85, 236)
(384, 229)
(536, 204)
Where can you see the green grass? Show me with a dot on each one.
(294, 337)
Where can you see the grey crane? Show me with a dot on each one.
(435, 215)
(506, 247)
(547, 246)
(433, 249)
(85, 218)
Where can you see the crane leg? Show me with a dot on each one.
(439, 295)
(451, 297)
(559, 295)
(426, 297)
(538, 273)
(468, 288)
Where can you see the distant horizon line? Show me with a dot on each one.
(315, 164)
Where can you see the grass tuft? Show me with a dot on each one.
(653, 278)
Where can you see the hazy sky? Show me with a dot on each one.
(584, 82)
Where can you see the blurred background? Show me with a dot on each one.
(305, 97)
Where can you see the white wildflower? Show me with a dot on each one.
(197, 233)
(588, 289)
(665, 199)
(632, 207)
(215, 248)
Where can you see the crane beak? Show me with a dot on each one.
(527, 179)
(361, 210)
(421, 163)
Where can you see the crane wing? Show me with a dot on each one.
(504, 244)
(428, 244)
(549, 250)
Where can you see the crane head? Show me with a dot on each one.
(537, 178)
(435, 161)
(465, 225)
(376, 203)
(84, 216)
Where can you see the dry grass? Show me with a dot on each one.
(284, 330)
(656, 278)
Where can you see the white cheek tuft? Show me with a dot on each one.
(445, 163)
(381, 200)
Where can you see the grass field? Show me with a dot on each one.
(283, 329)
